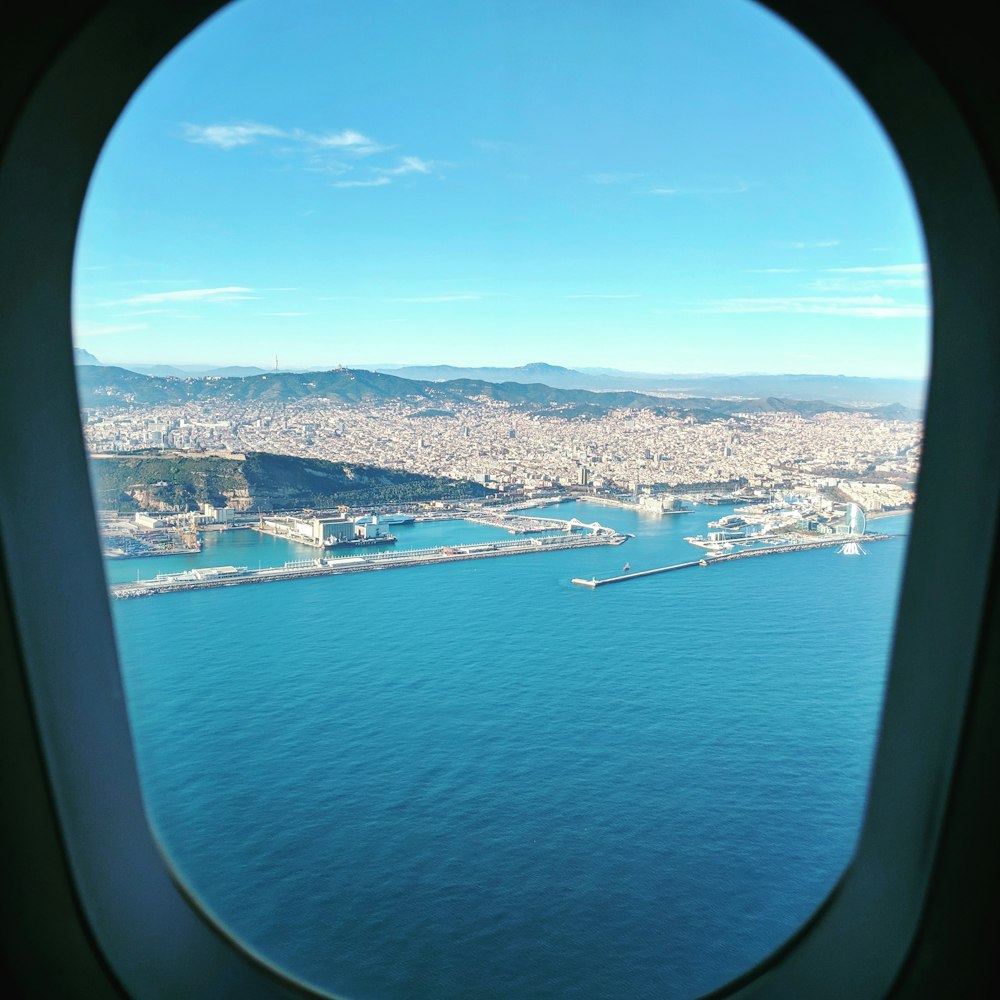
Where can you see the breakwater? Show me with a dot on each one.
(228, 576)
(730, 557)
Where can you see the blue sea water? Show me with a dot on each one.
(478, 780)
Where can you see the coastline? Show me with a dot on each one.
(879, 514)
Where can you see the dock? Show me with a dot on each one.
(712, 560)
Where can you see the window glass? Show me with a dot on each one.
(521, 304)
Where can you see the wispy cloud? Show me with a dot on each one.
(407, 165)
(285, 314)
(371, 182)
(861, 283)
(229, 293)
(335, 152)
(459, 297)
(738, 187)
(348, 140)
(872, 278)
(105, 330)
(869, 306)
(602, 295)
(815, 245)
(232, 135)
(889, 269)
(613, 178)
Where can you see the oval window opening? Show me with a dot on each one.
(609, 334)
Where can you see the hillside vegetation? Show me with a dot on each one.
(181, 480)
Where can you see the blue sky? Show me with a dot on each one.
(663, 186)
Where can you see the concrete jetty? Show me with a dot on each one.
(228, 576)
(712, 560)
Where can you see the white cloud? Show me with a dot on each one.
(347, 140)
(601, 295)
(229, 293)
(407, 165)
(870, 306)
(231, 136)
(374, 182)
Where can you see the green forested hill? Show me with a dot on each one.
(260, 479)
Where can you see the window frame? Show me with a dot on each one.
(66, 730)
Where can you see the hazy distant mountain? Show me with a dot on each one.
(552, 375)
(847, 389)
(195, 371)
(851, 389)
(82, 357)
(104, 386)
(161, 371)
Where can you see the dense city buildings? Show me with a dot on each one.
(857, 456)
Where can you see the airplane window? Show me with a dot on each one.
(609, 334)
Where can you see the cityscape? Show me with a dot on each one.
(795, 480)
(859, 457)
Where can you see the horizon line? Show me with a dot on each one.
(588, 370)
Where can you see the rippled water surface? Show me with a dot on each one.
(477, 780)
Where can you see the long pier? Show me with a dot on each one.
(731, 557)
(229, 576)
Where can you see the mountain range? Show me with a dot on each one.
(101, 386)
(852, 390)
(847, 389)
